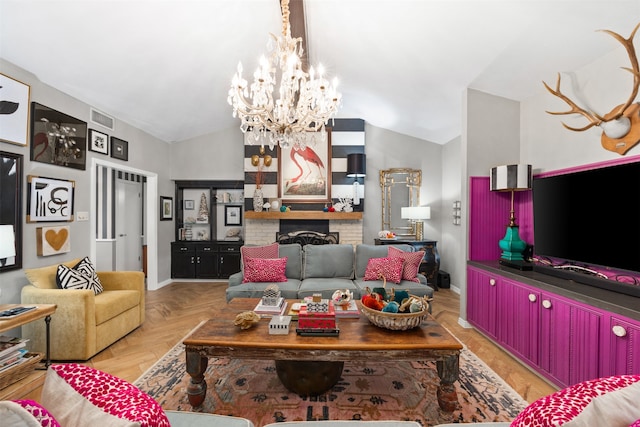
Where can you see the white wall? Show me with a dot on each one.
(145, 152)
(215, 156)
(546, 144)
(385, 150)
(452, 241)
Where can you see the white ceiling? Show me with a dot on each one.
(165, 66)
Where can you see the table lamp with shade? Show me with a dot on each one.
(356, 168)
(7, 243)
(416, 214)
(512, 178)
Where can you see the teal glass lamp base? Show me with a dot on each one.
(512, 245)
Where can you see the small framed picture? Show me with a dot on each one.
(119, 149)
(166, 208)
(98, 141)
(233, 215)
(189, 205)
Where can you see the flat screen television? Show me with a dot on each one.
(589, 221)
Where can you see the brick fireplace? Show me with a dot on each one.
(260, 228)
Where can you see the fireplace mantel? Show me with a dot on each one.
(296, 215)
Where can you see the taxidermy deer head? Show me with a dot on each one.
(620, 126)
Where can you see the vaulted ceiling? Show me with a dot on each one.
(165, 66)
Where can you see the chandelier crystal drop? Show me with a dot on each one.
(295, 116)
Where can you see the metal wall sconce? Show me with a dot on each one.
(457, 212)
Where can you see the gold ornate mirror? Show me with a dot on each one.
(400, 188)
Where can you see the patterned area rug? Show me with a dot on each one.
(366, 391)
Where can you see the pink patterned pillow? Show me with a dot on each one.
(610, 401)
(390, 268)
(79, 395)
(268, 251)
(636, 424)
(265, 270)
(25, 412)
(412, 262)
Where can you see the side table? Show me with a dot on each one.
(430, 262)
(42, 311)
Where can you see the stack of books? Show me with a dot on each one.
(12, 352)
(317, 323)
(271, 310)
(348, 311)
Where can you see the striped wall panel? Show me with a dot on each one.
(347, 137)
(105, 206)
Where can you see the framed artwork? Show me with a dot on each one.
(98, 141)
(57, 138)
(49, 199)
(10, 211)
(305, 175)
(119, 149)
(233, 215)
(166, 208)
(53, 240)
(189, 205)
(14, 108)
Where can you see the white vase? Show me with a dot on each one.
(258, 200)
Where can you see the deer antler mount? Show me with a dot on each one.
(620, 126)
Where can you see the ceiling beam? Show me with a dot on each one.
(298, 28)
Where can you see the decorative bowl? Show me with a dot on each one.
(394, 321)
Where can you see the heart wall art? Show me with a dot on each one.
(53, 240)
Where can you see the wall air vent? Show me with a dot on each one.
(102, 119)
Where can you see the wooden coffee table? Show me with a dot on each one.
(358, 340)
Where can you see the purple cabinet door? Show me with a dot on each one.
(555, 322)
(621, 339)
(481, 300)
(518, 319)
(569, 340)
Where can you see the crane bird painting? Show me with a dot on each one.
(305, 173)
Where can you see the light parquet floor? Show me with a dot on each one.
(174, 310)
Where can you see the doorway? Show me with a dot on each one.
(150, 215)
(129, 233)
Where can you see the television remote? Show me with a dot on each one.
(15, 311)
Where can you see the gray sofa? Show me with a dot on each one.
(324, 269)
(374, 424)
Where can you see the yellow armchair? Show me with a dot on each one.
(84, 324)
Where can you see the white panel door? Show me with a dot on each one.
(128, 225)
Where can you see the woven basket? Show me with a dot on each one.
(18, 372)
(394, 321)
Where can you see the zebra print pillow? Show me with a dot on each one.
(82, 276)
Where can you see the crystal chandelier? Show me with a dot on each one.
(294, 116)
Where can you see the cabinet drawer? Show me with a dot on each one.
(178, 248)
(206, 248)
(228, 248)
